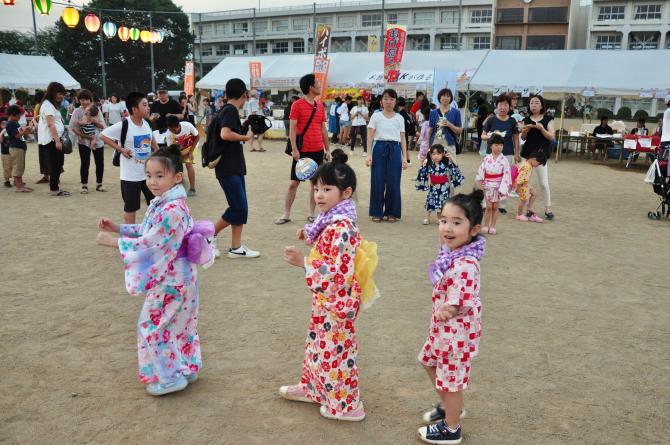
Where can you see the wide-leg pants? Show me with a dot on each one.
(385, 181)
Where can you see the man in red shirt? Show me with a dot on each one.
(315, 144)
(416, 106)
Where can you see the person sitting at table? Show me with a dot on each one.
(640, 128)
(659, 130)
(602, 144)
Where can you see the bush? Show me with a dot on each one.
(624, 113)
(604, 112)
(640, 114)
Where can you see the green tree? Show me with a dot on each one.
(15, 42)
(127, 64)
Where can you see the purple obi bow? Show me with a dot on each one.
(196, 246)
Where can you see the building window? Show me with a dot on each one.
(424, 18)
(368, 20)
(240, 49)
(648, 12)
(480, 16)
(340, 45)
(300, 24)
(637, 104)
(481, 42)
(298, 46)
(223, 50)
(280, 25)
(545, 42)
(361, 45)
(261, 26)
(392, 18)
(548, 15)
(279, 47)
(643, 40)
(240, 28)
(508, 42)
(449, 41)
(419, 43)
(206, 29)
(510, 15)
(346, 21)
(449, 17)
(206, 51)
(607, 13)
(606, 102)
(262, 48)
(219, 28)
(324, 20)
(608, 41)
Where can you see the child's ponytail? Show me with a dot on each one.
(471, 204)
(170, 158)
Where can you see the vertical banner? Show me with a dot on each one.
(322, 41)
(189, 79)
(394, 47)
(373, 43)
(321, 72)
(254, 74)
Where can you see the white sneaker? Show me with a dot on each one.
(365, 154)
(513, 194)
(217, 252)
(243, 252)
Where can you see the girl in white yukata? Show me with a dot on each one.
(160, 257)
(335, 273)
(455, 328)
(494, 176)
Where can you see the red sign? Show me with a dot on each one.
(254, 74)
(394, 47)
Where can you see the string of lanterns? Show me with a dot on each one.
(70, 16)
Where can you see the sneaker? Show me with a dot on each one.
(437, 413)
(365, 154)
(243, 252)
(216, 251)
(534, 218)
(8, 184)
(439, 434)
(549, 215)
(294, 393)
(521, 218)
(43, 180)
(355, 415)
(160, 389)
(425, 222)
(191, 192)
(502, 211)
(513, 194)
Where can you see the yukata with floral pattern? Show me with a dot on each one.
(167, 338)
(522, 182)
(496, 174)
(439, 180)
(329, 370)
(452, 344)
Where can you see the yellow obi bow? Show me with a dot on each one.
(365, 263)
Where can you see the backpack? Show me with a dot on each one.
(116, 159)
(211, 151)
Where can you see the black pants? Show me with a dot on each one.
(44, 159)
(85, 156)
(56, 159)
(363, 130)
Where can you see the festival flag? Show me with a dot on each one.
(254, 74)
(189, 79)
(322, 42)
(394, 48)
(321, 72)
(373, 43)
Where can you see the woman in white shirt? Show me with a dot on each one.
(49, 131)
(388, 152)
(114, 110)
(359, 117)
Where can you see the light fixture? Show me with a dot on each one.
(70, 17)
(134, 33)
(161, 36)
(145, 36)
(109, 29)
(154, 37)
(43, 6)
(8, 2)
(124, 33)
(92, 22)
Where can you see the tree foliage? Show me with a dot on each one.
(127, 64)
(15, 42)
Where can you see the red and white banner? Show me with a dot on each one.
(254, 74)
(394, 47)
(189, 79)
(321, 61)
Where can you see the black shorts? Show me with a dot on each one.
(316, 155)
(130, 192)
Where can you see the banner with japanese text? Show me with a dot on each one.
(254, 74)
(189, 79)
(321, 67)
(322, 41)
(394, 47)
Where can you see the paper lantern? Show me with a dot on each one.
(8, 2)
(161, 36)
(92, 22)
(109, 29)
(145, 36)
(70, 17)
(134, 33)
(43, 6)
(154, 37)
(124, 33)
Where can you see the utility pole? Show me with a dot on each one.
(313, 26)
(202, 73)
(37, 48)
(460, 18)
(103, 74)
(253, 24)
(151, 48)
(383, 31)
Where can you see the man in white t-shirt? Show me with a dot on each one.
(186, 136)
(253, 108)
(135, 151)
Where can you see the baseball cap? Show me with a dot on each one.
(667, 98)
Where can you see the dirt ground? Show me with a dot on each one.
(574, 349)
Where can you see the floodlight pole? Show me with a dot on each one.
(460, 18)
(32, 5)
(151, 47)
(202, 73)
(103, 74)
(383, 31)
(253, 24)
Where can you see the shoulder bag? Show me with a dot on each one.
(299, 137)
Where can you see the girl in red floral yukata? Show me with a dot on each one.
(338, 272)
(455, 328)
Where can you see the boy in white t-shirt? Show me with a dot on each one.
(186, 135)
(136, 150)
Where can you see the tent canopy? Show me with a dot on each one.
(18, 71)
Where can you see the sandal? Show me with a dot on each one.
(262, 150)
(281, 221)
(62, 193)
(376, 219)
(24, 190)
(392, 219)
(84, 190)
(100, 188)
(253, 149)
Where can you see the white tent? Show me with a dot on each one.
(18, 71)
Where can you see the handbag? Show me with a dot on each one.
(457, 144)
(299, 137)
(66, 142)
(258, 124)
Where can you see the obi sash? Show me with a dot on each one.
(439, 179)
